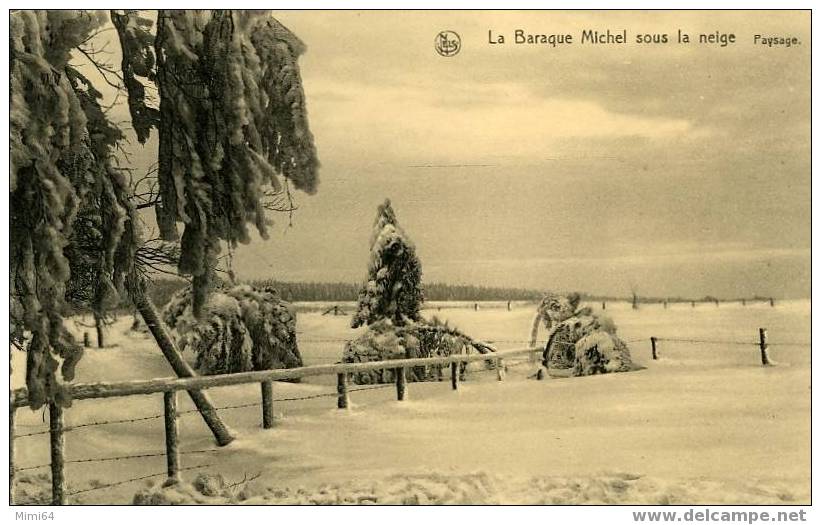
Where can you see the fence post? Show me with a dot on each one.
(765, 356)
(665, 304)
(86, 340)
(500, 369)
(454, 375)
(744, 302)
(653, 346)
(58, 479)
(267, 388)
(692, 304)
(171, 451)
(342, 400)
(772, 302)
(401, 383)
(12, 411)
(603, 305)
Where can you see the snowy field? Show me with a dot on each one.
(704, 424)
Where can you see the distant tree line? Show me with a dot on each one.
(315, 291)
(466, 292)
(162, 289)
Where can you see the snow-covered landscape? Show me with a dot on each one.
(706, 423)
(587, 279)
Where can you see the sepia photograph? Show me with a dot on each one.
(407, 257)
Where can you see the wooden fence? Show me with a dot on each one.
(170, 386)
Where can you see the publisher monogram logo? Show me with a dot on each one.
(448, 43)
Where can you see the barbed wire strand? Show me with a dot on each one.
(704, 341)
(94, 424)
(710, 341)
(194, 411)
(123, 482)
(119, 458)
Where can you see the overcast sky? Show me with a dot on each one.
(674, 169)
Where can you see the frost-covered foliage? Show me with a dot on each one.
(138, 66)
(62, 185)
(384, 341)
(241, 329)
(601, 352)
(231, 120)
(393, 290)
(579, 340)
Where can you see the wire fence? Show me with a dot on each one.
(335, 394)
(509, 364)
(158, 454)
(725, 342)
(195, 411)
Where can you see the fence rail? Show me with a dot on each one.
(170, 386)
(155, 386)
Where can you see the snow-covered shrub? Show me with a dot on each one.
(393, 290)
(241, 329)
(383, 341)
(579, 340)
(600, 352)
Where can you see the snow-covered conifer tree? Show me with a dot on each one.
(394, 287)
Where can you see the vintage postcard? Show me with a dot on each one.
(411, 257)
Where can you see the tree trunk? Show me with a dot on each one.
(100, 325)
(135, 325)
(152, 320)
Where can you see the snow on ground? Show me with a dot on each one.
(705, 424)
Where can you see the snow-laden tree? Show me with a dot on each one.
(390, 303)
(230, 114)
(241, 328)
(231, 120)
(394, 287)
(61, 149)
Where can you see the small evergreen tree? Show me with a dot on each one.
(394, 289)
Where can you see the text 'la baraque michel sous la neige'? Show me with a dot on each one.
(590, 36)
